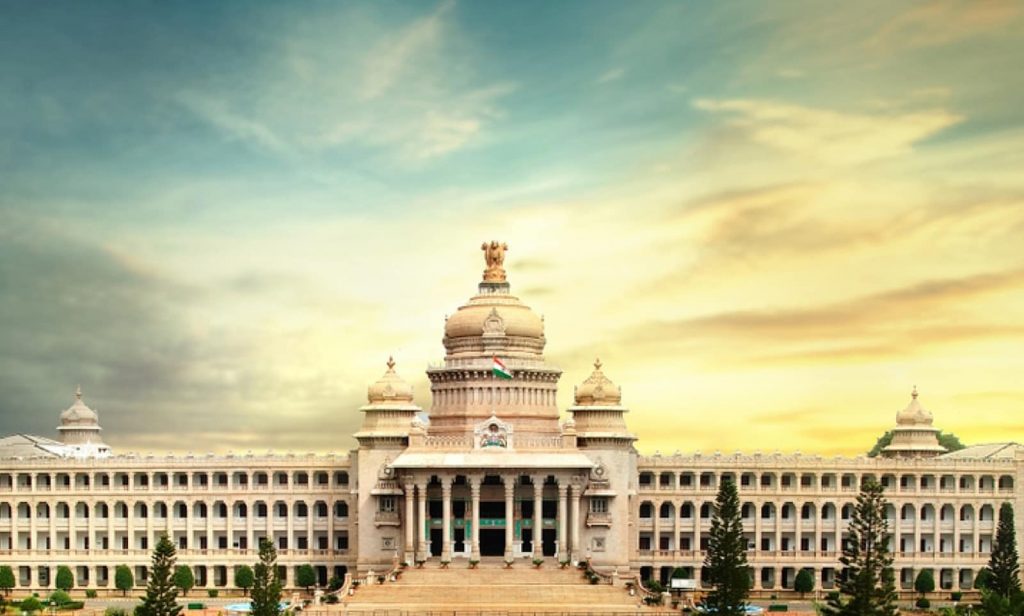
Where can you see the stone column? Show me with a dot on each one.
(538, 516)
(190, 523)
(446, 519)
(290, 523)
(129, 522)
(409, 522)
(423, 548)
(310, 512)
(976, 524)
(271, 506)
(956, 532)
(798, 528)
(896, 530)
(474, 488)
(757, 533)
(917, 531)
(510, 490)
(816, 548)
(656, 542)
(563, 510)
(229, 526)
(676, 526)
(577, 492)
(250, 526)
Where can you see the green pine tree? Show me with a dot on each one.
(266, 588)
(1004, 562)
(726, 560)
(867, 586)
(161, 597)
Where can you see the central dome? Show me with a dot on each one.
(493, 313)
(494, 322)
(494, 363)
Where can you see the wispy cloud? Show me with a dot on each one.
(942, 23)
(821, 134)
(611, 75)
(233, 125)
(398, 56)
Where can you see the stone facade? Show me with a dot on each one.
(490, 471)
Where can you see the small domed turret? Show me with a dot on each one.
(80, 430)
(914, 414)
(598, 415)
(390, 388)
(78, 414)
(914, 436)
(598, 390)
(391, 409)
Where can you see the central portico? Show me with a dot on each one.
(493, 473)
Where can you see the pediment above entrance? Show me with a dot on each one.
(492, 434)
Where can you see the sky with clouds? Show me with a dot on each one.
(769, 222)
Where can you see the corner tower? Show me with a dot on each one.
(914, 435)
(80, 430)
(494, 328)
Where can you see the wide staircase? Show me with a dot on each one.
(492, 590)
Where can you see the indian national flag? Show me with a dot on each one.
(500, 370)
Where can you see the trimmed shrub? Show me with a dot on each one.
(654, 586)
(73, 605)
(923, 603)
(956, 596)
(335, 583)
(60, 597)
(212, 593)
(115, 611)
(90, 593)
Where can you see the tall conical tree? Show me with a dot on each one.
(1004, 562)
(266, 588)
(161, 593)
(726, 560)
(867, 586)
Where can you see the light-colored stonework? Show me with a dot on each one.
(489, 471)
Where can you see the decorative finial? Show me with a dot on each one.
(391, 363)
(494, 256)
(913, 394)
(597, 363)
(78, 392)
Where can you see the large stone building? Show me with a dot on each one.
(490, 471)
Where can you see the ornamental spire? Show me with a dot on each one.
(494, 256)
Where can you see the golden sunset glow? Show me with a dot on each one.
(768, 227)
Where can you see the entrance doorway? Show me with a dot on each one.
(459, 540)
(436, 544)
(548, 544)
(492, 541)
(527, 536)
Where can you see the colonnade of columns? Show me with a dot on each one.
(417, 542)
